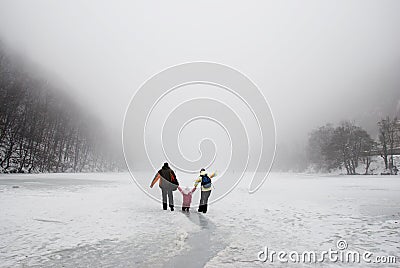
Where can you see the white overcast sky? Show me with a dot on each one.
(315, 61)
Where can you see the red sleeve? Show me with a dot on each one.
(194, 189)
(180, 189)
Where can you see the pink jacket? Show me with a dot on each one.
(187, 197)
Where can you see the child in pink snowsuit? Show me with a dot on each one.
(187, 197)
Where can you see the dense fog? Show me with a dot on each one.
(315, 62)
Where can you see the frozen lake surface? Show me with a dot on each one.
(104, 220)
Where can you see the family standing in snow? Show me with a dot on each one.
(169, 183)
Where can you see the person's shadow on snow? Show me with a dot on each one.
(200, 220)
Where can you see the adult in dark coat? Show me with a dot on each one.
(168, 183)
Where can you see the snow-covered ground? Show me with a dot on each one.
(104, 220)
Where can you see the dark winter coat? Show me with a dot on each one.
(166, 178)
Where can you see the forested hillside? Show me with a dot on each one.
(42, 130)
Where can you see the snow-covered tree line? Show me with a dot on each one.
(389, 140)
(348, 145)
(42, 130)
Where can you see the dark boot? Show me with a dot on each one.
(172, 208)
(205, 208)
(200, 208)
(164, 206)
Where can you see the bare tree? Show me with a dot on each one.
(343, 146)
(389, 140)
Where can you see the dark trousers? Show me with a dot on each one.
(204, 201)
(165, 193)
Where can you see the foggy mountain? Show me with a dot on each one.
(43, 130)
